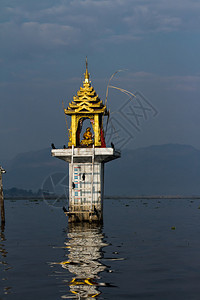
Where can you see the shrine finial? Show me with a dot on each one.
(87, 75)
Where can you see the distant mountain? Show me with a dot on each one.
(155, 170)
(30, 170)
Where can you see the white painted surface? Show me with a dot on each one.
(86, 194)
(85, 154)
(81, 194)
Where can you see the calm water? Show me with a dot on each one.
(144, 250)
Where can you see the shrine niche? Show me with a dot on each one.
(86, 105)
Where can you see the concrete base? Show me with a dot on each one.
(86, 181)
(87, 216)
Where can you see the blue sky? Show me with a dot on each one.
(42, 61)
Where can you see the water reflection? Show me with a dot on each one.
(85, 242)
(3, 260)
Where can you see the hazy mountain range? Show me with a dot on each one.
(156, 170)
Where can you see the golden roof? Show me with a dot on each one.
(86, 101)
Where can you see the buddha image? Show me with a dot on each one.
(87, 138)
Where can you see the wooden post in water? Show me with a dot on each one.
(1, 198)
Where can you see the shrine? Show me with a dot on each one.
(86, 105)
(86, 156)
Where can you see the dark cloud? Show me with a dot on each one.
(43, 47)
(66, 24)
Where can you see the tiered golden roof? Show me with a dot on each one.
(86, 105)
(86, 100)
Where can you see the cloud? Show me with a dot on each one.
(184, 83)
(34, 36)
(88, 23)
(189, 83)
(8, 130)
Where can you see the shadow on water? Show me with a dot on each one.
(83, 264)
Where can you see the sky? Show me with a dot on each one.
(155, 44)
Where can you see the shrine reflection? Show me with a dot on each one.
(84, 244)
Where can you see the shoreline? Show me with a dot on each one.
(150, 197)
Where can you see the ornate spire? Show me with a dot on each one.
(86, 100)
(87, 75)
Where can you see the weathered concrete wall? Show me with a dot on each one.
(86, 190)
(86, 180)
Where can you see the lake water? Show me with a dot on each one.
(145, 249)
